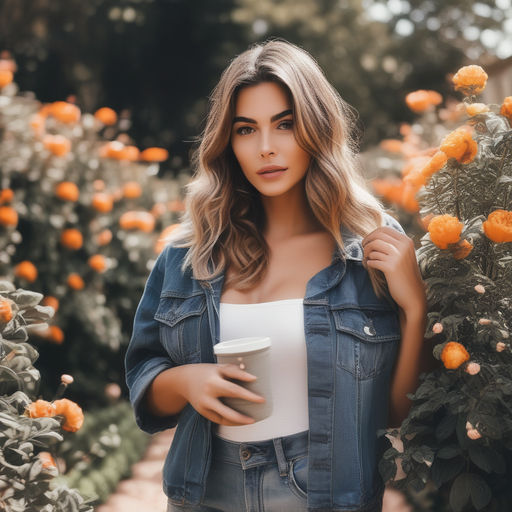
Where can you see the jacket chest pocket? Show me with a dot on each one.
(367, 340)
(180, 322)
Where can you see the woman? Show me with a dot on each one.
(280, 238)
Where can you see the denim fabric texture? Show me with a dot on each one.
(352, 340)
(264, 475)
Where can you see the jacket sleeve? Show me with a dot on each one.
(390, 221)
(146, 357)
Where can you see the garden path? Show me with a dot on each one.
(142, 492)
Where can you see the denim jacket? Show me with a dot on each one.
(352, 338)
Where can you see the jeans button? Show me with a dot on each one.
(246, 454)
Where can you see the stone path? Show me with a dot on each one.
(142, 492)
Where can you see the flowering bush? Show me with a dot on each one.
(458, 434)
(29, 427)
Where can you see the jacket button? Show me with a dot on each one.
(368, 329)
(246, 454)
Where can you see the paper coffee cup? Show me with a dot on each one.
(251, 354)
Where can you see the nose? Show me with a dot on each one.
(266, 144)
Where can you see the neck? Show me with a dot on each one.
(288, 215)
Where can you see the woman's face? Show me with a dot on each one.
(262, 139)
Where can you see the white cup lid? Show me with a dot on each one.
(239, 345)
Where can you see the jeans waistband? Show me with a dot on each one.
(254, 453)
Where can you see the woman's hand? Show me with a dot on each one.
(393, 253)
(205, 383)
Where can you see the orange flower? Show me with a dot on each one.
(67, 191)
(132, 190)
(409, 202)
(104, 237)
(161, 242)
(436, 163)
(131, 153)
(444, 230)
(37, 123)
(118, 151)
(137, 220)
(98, 263)
(470, 80)
(461, 250)
(421, 100)
(474, 109)
(391, 145)
(8, 216)
(47, 460)
(26, 270)
(389, 189)
(57, 144)
(176, 205)
(75, 282)
(415, 178)
(158, 210)
(5, 310)
(6, 195)
(41, 409)
(72, 413)
(154, 155)
(453, 355)
(102, 202)
(55, 334)
(506, 107)
(72, 239)
(106, 115)
(51, 301)
(459, 145)
(6, 77)
(65, 112)
(498, 226)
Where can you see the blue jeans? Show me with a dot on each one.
(266, 475)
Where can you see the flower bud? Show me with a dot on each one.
(468, 425)
(484, 321)
(500, 346)
(479, 288)
(113, 391)
(66, 379)
(505, 334)
(473, 368)
(437, 327)
(474, 434)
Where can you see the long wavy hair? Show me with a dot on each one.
(224, 216)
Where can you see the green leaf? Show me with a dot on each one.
(480, 492)
(446, 427)
(487, 458)
(444, 470)
(449, 451)
(460, 492)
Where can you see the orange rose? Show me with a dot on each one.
(75, 282)
(137, 220)
(41, 409)
(459, 145)
(498, 226)
(65, 112)
(72, 239)
(461, 250)
(6, 195)
(154, 155)
(106, 115)
(421, 100)
(444, 230)
(6, 77)
(104, 237)
(470, 80)
(102, 202)
(98, 263)
(47, 460)
(8, 216)
(474, 109)
(57, 144)
(453, 355)
(51, 301)
(506, 107)
(26, 270)
(5, 311)
(436, 163)
(132, 190)
(72, 412)
(55, 334)
(67, 191)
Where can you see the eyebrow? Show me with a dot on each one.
(241, 119)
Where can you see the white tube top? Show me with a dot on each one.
(283, 322)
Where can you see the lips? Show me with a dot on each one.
(271, 168)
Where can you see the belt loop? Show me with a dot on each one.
(282, 463)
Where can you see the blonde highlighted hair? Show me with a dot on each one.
(223, 218)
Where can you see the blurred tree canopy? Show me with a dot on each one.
(156, 61)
